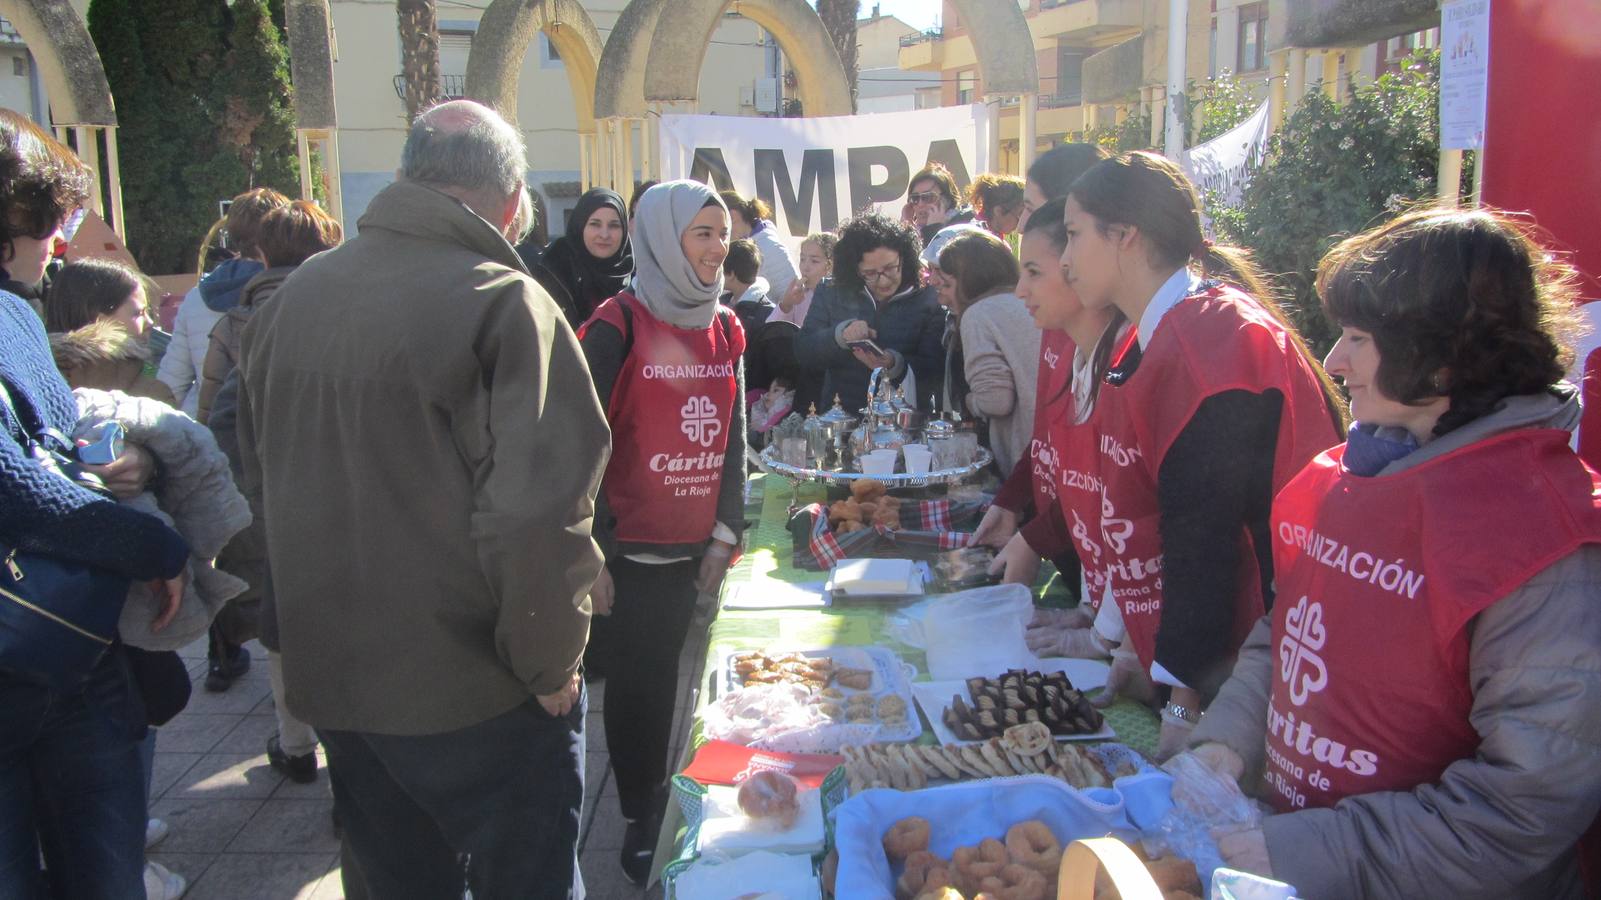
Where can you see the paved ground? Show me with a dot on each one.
(241, 831)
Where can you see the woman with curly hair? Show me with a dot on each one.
(1426, 682)
(877, 313)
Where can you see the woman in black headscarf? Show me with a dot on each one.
(592, 262)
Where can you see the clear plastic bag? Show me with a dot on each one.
(978, 632)
(1206, 804)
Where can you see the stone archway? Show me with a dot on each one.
(1004, 46)
(68, 62)
(310, 37)
(1007, 66)
(506, 29)
(75, 79)
(678, 48)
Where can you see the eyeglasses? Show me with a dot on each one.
(923, 197)
(892, 272)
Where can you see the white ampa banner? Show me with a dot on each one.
(1224, 165)
(815, 173)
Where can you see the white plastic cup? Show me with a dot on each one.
(918, 463)
(909, 449)
(879, 463)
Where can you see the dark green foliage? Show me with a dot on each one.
(1335, 169)
(203, 106)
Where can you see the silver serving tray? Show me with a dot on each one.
(772, 464)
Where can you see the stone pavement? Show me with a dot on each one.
(241, 831)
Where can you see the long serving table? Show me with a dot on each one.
(768, 557)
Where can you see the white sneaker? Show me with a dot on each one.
(155, 832)
(161, 883)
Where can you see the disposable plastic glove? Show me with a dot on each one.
(1072, 643)
(1127, 679)
(1220, 759)
(1074, 617)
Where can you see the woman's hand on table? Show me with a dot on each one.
(996, 528)
(1246, 851)
(713, 566)
(602, 593)
(1220, 759)
(1017, 563)
(1126, 679)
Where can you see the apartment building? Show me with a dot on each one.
(1101, 61)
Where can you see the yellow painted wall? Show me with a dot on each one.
(372, 117)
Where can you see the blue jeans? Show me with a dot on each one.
(494, 806)
(72, 784)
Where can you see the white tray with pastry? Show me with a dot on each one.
(867, 687)
(980, 709)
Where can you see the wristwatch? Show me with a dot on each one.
(1182, 713)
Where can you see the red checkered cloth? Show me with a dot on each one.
(928, 527)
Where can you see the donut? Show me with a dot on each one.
(906, 837)
(944, 893)
(1016, 882)
(866, 489)
(1032, 844)
(770, 795)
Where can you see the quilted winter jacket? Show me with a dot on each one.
(1503, 823)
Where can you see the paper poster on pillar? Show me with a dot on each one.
(815, 173)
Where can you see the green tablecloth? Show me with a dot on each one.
(768, 556)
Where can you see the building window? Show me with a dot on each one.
(966, 87)
(1211, 50)
(1253, 38)
(19, 66)
(1396, 52)
(549, 56)
(1070, 73)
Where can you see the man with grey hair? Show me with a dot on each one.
(419, 423)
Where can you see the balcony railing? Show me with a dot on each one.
(1061, 101)
(922, 37)
(454, 87)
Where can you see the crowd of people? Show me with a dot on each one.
(446, 474)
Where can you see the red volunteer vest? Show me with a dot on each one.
(1053, 402)
(669, 415)
(1378, 578)
(1210, 342)
(1078, 489)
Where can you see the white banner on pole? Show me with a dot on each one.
(1464, 72)
(1224, 165)
(817, 172)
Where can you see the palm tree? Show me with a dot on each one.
(839, 19)
(419, 54)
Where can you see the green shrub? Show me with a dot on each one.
(1335, 169)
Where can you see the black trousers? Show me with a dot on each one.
(637, 649)
(494, 806)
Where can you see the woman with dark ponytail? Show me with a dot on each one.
(1209, 406)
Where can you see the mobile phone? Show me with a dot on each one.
(103, 446)
(866, 346)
